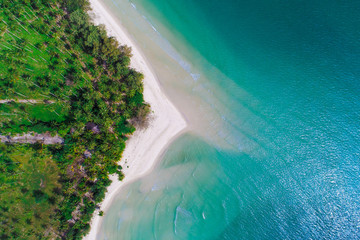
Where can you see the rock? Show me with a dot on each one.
(93, 127)
(87, 154)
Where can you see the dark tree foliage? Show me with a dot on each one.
(85, 92)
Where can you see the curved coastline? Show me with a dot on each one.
(145, 146)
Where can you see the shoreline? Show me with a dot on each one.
(146, 145)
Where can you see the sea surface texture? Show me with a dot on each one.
(276, 155)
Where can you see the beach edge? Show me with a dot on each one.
(143, 148)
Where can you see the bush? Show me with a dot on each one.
(39, 196)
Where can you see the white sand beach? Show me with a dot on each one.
(144, 147)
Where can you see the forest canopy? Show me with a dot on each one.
(61, 75)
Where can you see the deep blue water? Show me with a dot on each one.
(288, 74)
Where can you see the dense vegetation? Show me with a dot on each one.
(29, 193)
(82, 88)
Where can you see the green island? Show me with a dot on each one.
(65, 81)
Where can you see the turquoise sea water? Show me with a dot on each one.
(286, 79)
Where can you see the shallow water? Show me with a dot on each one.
(270, 89)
